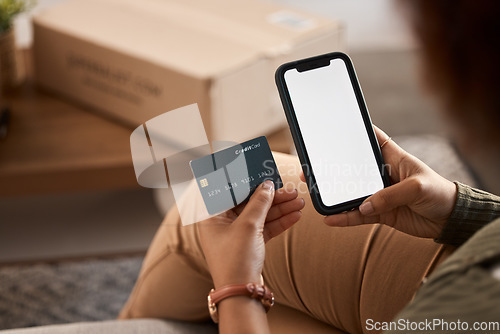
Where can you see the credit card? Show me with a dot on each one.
(229, 177)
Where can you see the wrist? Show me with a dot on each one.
(242, 315)
(251, 291)
(240, 304)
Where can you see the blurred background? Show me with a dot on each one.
(95, 211)
(83, 223)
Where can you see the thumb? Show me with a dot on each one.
(255, 211)
(405, 192)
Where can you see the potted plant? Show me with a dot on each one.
(11, 64)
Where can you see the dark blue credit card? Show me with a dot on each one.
(229, 177)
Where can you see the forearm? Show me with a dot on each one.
(241, 314)
(473, 210)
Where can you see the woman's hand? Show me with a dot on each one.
(234, 241)
(418, 203)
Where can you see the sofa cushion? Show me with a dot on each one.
(135, 326)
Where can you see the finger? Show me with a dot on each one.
(381, 135)
(302, 177)
(281, 195)
(350, 218)
(284, 195)
(391, 146)
(282, 209)
(255, 212)
(278, 226)
(391, 152)
(405, 192)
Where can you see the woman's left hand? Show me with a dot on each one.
(234, 241)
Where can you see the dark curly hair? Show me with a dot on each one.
(460, 45)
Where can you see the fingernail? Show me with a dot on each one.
(268, 185)
(366, 208)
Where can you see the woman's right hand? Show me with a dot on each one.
(418, 203)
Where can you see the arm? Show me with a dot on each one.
(234, 247)
(473, 209)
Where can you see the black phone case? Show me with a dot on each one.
(308, 64)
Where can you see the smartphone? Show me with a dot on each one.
(332, 131)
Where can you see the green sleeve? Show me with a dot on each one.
(473, 210)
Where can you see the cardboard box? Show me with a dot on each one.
(134, 60)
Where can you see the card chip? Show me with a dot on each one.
(203, 183)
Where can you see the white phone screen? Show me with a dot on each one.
(334, 134)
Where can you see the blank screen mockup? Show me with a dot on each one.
(334, 133)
